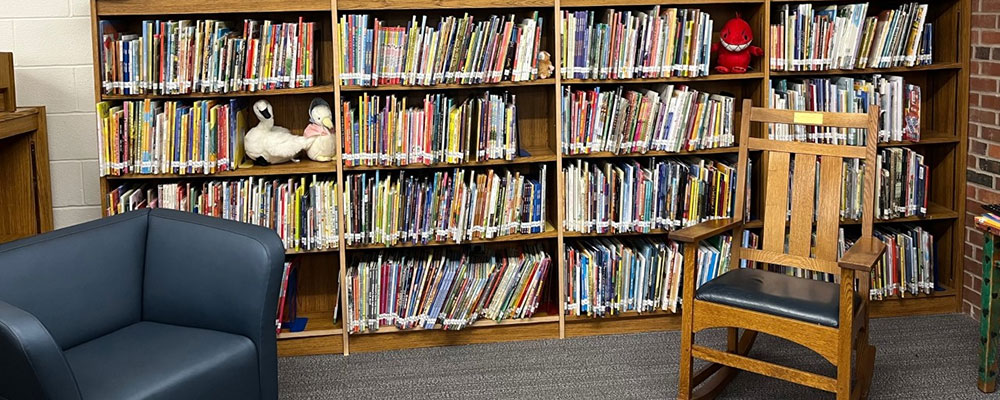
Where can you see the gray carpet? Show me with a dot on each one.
(917, 358)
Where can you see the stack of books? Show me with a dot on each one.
(154, 137)
(607, 277)
(908, 265)
(206, 56)
(898, 101)
(303, 211)
(460, 205)
(456, 50)
(386, 131)
(626, 197)
(665, 118)
(842, 37)
(630, 44)
(444, 289)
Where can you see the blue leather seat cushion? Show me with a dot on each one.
(771, 293)
(149, 360)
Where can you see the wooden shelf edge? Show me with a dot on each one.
(309, 334)
(604, 154)
(944, 66)
(673, 79)
(304, 167)
(540, 157)
(549, 233)
(478, 324)
(449, 86)
(111, 8)
(320, 89)
(935, 212)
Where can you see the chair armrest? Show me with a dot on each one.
(33, 365)
(863, 256)
(704, 230)
(215, 274)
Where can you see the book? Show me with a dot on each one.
(635, 44)
(621, 197)
(206, 56)
(399, 131)
(457, 50)
(303, 211)
(898, 101)
(154, 137)
(810, 37)
(282, 291)
(442, 289)
(459, 205)
(667, 118)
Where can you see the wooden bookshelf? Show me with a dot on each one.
(322, 272)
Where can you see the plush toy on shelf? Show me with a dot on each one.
(545, 67)
(323, 147)
(734, 48)
(269, 144)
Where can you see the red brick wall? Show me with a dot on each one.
(983, 175)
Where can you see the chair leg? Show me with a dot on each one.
(684, 386)
(866, 363)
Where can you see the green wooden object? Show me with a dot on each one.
(990, 320)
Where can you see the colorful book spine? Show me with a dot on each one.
(628, 197)
(302, 211)
(668, 118)
(445, 290)
(438, 129)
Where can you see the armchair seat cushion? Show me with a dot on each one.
(771, 293)
(149, 360)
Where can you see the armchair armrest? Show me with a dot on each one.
(215, 274)
(33, 365)
(863, 256)
(704, 230)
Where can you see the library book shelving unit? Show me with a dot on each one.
(322, 273)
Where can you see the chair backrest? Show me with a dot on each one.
(788, 237)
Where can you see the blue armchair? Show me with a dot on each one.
(149, 304)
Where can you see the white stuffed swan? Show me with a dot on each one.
(269, 143)
(321, 121)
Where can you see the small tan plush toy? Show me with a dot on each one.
(545, 67)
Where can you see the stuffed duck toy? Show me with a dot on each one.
(320, 122)
(269, 144)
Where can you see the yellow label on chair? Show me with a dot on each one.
(808, 118)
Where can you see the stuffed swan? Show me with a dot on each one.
(321, 121)
(269, 144)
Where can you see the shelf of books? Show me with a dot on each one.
(477, 171)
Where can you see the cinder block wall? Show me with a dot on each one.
(53, 67)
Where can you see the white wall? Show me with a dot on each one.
(53, 67)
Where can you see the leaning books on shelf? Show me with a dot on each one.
(444, 289)
(283, 295)
(636, 44)
(154, 137)
(898, 101)
(458, 50)
(387, 131)
(303, 211)
(816, 38)
(669, 118)
(607, 277)
(459, 205)
(903, 181)
(626, 196)
(908, 265)
(206, 56)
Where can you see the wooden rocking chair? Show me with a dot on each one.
(828, 318)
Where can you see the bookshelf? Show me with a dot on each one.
(322, 273)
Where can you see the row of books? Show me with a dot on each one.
(902, 183)
(666, 194)
(635, 44)
(154, 137)
(444, 290)
(206, 56)
(898, 101)
(302, 210)
(816, 38)
(458, 205)
(607, 277)
(458, 50)
(389, 131)
(908, 265)
(666, 118)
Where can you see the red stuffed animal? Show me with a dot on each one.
(735, 49)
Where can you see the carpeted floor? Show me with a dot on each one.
(917, 358)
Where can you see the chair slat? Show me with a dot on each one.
(788, 260)
(828, 216)
(776, 209)
(807, 148)
(803, 200)
(837, 120)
